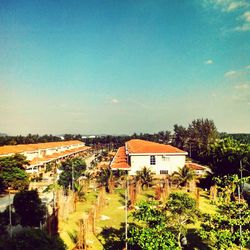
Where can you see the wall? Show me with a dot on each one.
(167, 162)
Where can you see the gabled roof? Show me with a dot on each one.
(195, 166)
(40, 161)
(120, 160)
(137, 146)
(20, 148)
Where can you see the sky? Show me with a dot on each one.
(123, 66)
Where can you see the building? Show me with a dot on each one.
(197, 168)
(40, 154)
(160, 158)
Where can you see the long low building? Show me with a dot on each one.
(160, 158)
(41, 153)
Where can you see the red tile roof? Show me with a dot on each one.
(48, 158)
(20, 148)
(137, 146)
(195, 166)
(120, 160)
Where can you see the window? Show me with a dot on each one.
(152, 160)
(163, 171)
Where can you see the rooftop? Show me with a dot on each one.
(120, 160)
(137, 146)
(20, 148)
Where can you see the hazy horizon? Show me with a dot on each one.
(119, 67)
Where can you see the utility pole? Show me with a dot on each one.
(73, 177)
(10, 219)
(126, 213)
(239, 194)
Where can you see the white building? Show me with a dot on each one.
(160, 158)
(41, 153)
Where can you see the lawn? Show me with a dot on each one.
(111, 218)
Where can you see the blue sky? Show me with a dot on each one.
(123, 66)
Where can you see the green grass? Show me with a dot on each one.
(71, 224)
(108, 230)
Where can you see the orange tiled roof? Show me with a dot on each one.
(195, 166)
(20, 148)
(48, 158)
(137, 146)
(120, 160)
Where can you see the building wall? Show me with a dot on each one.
(168, 163)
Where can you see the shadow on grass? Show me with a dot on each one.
(150, 196)
(122, 200)
(195, 242)
(112, 238)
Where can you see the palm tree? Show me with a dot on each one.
(183, 176)
(144, 177)
(106, 179)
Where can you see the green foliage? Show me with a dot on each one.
(12, 172)
(182, 210)
(224, 156)
(104, 177)
(77, 166)
(223, 228)
(181, 204)
(149, 213)
(201, 132)
(28, 206)
(196, 138)
(152, 238)
(144, 176)
(30, 239)
(151, 233)
(184, 175)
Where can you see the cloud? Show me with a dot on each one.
(114, 101)
(242, 86)
(230, 73)
(245, 26)
(229, 6)
(209, 61)
(236, 5)
(247, 67)
(246, 16)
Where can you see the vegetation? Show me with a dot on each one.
(29, 239)
(225, 155)
(162, 228)
(223, 228)
(144, 177)
(29, 208)
(12, 172)
(29, 139)
(71, 169)
(183, 176)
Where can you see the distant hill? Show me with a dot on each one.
(3, 134)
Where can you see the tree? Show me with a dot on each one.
(180, 137)
(224, 156)
(106, 179)
(144, 177)
(223, 228)
(28, 206)
(150, 233)
(183, 176)
(182, 210)
(75, 168)
(201, 133)
(12, 172)
(29, 239)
